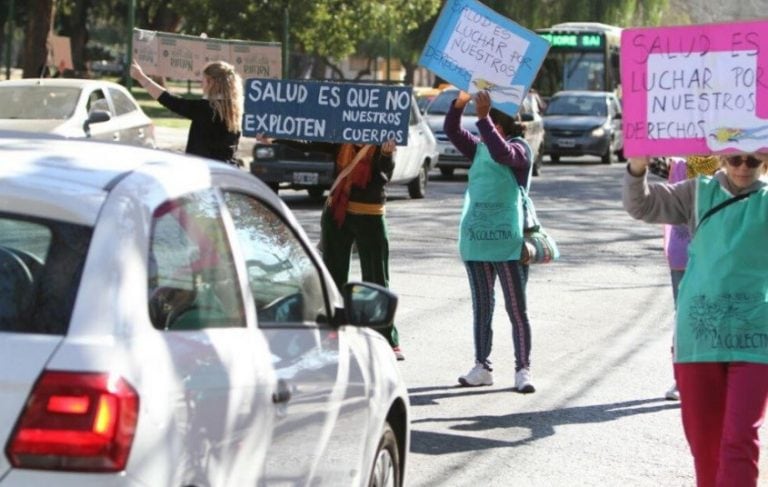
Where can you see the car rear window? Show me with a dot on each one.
(38, 102)
(41, 262)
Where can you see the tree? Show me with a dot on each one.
(36, 38)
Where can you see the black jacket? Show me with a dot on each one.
(208, 135)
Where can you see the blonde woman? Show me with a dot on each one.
(215, 129)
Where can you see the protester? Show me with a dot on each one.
(721, 357)
(355, 215)
(491, 231)
(677, 237)
(215, 128)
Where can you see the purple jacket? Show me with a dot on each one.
(507, 152)
(677, 237)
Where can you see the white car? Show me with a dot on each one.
(75, 108)
(164, 321)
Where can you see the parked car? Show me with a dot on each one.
(164, 320)
(579, 123)
(451, 159)
(76, 108)
(309, 165)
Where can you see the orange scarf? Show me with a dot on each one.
(359, 178)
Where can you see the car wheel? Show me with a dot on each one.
(386, 464)
(554, 158)
(417, 188)
(537, 163)
(446, 172)
(316, 193)
(607, 158)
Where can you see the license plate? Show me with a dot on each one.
(305, 178)
(566, 142)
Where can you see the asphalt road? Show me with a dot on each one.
(602, 325)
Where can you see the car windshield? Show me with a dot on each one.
(577, 105)
(40, 266)
(442, 103)
(38, 102)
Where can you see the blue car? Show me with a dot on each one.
(579, 123)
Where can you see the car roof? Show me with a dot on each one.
(62, 82)
(38, 173)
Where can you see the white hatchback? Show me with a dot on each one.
(164, 321)
(75, 108)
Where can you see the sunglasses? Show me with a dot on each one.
(751, 161)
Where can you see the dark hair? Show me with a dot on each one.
(511, 125)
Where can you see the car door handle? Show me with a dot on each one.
(283, 393)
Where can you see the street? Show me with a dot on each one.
(602, 328)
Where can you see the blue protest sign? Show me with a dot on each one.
(475, 48)
(324, 111)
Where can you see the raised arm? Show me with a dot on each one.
(154, 89)
(465, 142)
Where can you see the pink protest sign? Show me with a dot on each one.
(695, 89)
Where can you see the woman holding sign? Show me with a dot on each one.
(491, 231)
(721, 329)
(355, 214)
(215, 129)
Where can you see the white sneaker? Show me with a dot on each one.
(673, 394)
(523, 381)
(478, 376)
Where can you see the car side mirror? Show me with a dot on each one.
(368, 304)
(526, 117)
(96, 116)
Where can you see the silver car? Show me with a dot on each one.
(165, 321)
(74, 108)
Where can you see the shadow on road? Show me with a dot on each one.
(541, 424)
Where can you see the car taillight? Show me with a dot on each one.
(76, 421)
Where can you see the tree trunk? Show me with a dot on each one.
(76, 28)
(35, 42)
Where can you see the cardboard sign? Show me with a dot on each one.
(475, 48)
(179, 56)
(183, 57)
(145, 51)
(331, 112)
(697, 89)
(256, 60)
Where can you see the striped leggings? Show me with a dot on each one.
(513, 277)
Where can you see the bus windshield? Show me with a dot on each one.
(582, 56)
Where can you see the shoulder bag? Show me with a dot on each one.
(538, 246)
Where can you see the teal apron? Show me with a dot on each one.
(723, 301)
(491, 228)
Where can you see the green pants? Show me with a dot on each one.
(369, 232)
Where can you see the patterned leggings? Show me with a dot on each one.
(513, 277)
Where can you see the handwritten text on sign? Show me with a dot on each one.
(475, 48)
(331, 112)
(695, 89)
